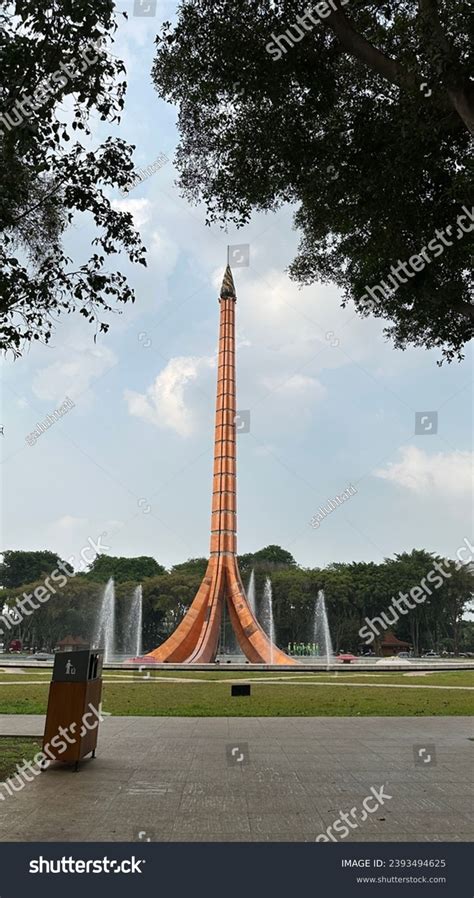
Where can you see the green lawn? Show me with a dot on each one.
(14, 750)
(437, 678)
(440, 678)
(286, 696)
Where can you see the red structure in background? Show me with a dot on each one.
(196, 639)
(15, 645)
(391, 645)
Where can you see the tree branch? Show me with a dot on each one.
(460, 94)
(466, 309)
(458, 87)
(363, 50)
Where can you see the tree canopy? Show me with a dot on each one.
(354, 592)
(362, 117)
(20, 567)
(57, 71)
(191, 566)
(268, 558)
(124, 569)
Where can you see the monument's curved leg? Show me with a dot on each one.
(253, 640)
(181, 643)
(208, 640)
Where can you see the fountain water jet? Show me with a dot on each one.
(251, 594)
(133, 632)
(268, 622)
(322, 636)
(105, 627)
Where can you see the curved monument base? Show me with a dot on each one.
(196, 639)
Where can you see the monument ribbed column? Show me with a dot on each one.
(223, 519)
(196, 639)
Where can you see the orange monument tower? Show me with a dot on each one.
(196, 639)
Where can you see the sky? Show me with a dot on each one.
(331, 402)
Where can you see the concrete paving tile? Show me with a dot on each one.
(280, 792)
(222, 789)
(169, 774)
(285, 823)
(276, 804)
(212, 804)
(186, 836)
(424, 823)
(126, 835)
(216, 823)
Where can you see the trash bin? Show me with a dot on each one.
(73, 716)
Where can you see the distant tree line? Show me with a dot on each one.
(354, 592)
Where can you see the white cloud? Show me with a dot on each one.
(163, 252)
(140, 209)
(447, 473)
(294, 327)
(296, 385)
(134, 39)
(70, 534)
(68, 523)
(164, 404)
(67, 534)
(74, 373)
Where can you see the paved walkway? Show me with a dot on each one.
(252, 779)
